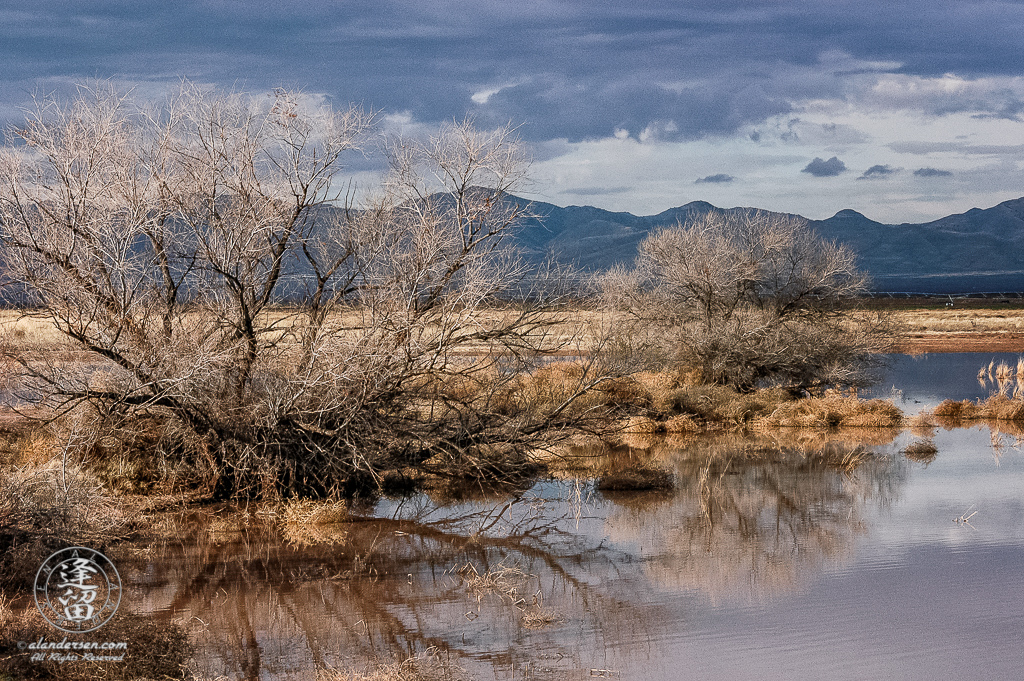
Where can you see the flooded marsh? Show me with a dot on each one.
(769, 553)
(769, 557)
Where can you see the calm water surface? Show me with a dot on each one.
(769, 561)
(917, 382)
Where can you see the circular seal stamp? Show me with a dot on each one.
(77, 589)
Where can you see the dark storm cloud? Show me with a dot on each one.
(877, 171)
(931, 172)
(573, 70)
(553, 106)
(715, 179)
(821, 168)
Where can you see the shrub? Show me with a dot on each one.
(749, 299)
(280, 339)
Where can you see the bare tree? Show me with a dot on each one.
(748, 299)
(165, 240)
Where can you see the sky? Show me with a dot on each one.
(904, 110)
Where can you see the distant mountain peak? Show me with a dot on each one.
(847, 213)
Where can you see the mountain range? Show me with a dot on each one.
(980, 250)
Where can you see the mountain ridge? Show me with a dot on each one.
(978, 250)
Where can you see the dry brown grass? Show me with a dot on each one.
(960, 320)
(548, 388)
(659, 397)
(509, 583)
(666, 405)
(951, 411)
(660, 402)
(641, 425)
(922, 451)
(25, 332)
(554, 383)
(310, 512)
(923, 425)
(808, 440)
(156, 650)
(39, 333)
(1014, 429)
(843, 458)
(998, 407)
(719, 404)
(961, 330)
(1004, 379)
(433, 664)
(50, 499)
(834, 411)
(305, 522)
(539, 618)
(683, 423)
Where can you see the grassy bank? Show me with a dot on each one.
(60, 471)
(667, 402)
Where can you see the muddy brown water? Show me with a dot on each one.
(763, 563)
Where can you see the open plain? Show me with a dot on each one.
(972, 326)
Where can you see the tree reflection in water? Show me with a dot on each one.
(749, 518)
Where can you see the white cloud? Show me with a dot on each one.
(999, 96)
(482, 96)
(982, 153)
(405, 124)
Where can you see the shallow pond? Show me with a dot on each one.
(791, 556)
(917, 382)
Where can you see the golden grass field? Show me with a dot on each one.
(924, 330)
(961, 330)
(28, 332)
(21, 331)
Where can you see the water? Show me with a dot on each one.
(771, 560)
(922, 381)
